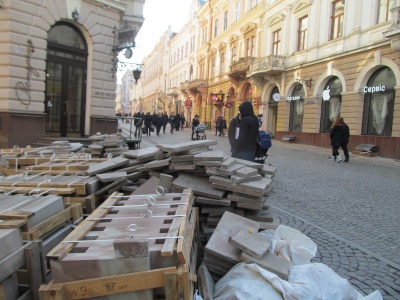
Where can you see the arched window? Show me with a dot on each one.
(297, 109)
(330, 108)
(379, 103)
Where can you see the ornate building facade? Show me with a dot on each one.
(58, 66)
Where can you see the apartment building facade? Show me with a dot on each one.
(59, 61)
(302, 64)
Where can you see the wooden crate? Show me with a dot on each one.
(175, 281)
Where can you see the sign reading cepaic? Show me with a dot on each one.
(373, 89)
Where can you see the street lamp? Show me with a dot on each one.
(136, 73)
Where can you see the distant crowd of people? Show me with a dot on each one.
(149, 123)
(243, 131)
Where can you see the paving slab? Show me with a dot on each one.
(110, 164)
(207, 283)
(209, 156)
(176, 148)
(239, 179)
(246, 172)
(219, 247)
(230, 161)
(252, 243)
(210, 201)
(112, 176)
(200, 186)
(157, 164)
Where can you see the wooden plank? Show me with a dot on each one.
(107, 286)
(171, 284)
(34, 267)
(82, 229)
(12, 224)
(169, 244)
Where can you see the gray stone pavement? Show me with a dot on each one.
(350, 210)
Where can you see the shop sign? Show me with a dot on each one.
(293, 98)
(373, 89)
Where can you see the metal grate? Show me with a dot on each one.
(367, 148)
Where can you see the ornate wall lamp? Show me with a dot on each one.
(75, 15)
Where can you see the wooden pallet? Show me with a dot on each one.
(176, 281)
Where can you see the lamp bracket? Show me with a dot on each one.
(307, 83)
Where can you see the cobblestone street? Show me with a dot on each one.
(350, 210)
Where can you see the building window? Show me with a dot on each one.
(337, 17)
(222, 64)
(330, 108)
(186, 49)
(302, 33)
(276, 42)
(225, 20)
(216, 27)
(237, 11)
(204, 35)
(379, 105)
(234, 54)
(297, 109)
(252, 45)
(213, 67)
(384, 7)
(247, 47)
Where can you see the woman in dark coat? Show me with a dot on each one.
(147, 122)
(336, 135)
(248, 132)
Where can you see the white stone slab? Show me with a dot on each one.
(110, 164)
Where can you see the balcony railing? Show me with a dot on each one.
(241, 65)
(197, 83)
(185, 85)
(268, 64)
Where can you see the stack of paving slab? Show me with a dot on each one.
(106, 145)
(237, 239)
(125, 236)
(20, 215)
(10, 242)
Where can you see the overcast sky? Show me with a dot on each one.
(158, 15)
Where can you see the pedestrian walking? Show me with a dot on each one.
(172, 122)
(177, 122)
(183, 120)
(158, 123)
(221, 126)
(164, 121)
(233, 133)
(247, 133)
(195, 123)
(147, 123)
(345, 140)
(217, 124)
(336, 139)
(137, 121)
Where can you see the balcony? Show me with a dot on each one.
(238, 69)
(173, 91)
(273, 64)
(198, 86)
(184, 85)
